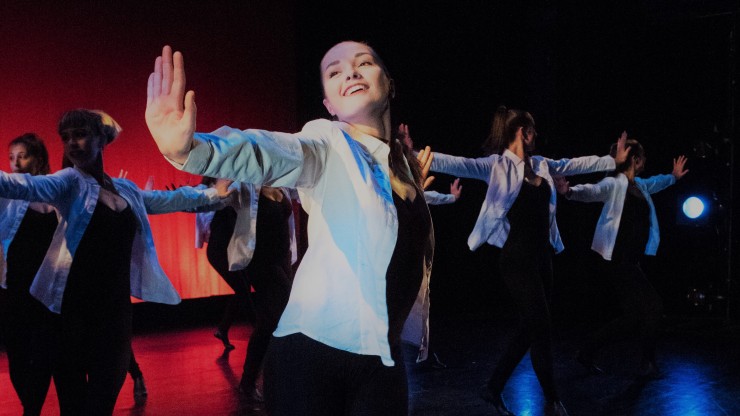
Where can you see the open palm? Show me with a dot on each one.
(170, 113)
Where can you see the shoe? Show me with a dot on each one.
(224, 337)
(555, 408)
(140, 393)
(497, 400)
(588, 363)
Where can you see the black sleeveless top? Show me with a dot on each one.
(273, 231)
(99, 282)
(634, 227)
(529, 219)
(405, 271)
(28, 249)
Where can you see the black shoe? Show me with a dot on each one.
(588, 363)
(140, 393)
(224, 337)
(555, 408)
(499, 407)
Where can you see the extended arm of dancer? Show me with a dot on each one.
(253, 156)
(39, 188)
(589, 164)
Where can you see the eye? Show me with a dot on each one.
(366, 63)
(332, 74)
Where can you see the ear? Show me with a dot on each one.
(391, 88)
(329, 108)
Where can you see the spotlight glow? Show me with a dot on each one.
(693, 207)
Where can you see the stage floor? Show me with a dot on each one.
(188, 373)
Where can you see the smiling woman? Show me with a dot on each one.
(337, 347)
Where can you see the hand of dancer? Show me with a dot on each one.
(622, 150)
(170, 113)
(678, 170)
(122, 174)
(222, 186)
(425, 157)
(456, 189)
(404, 137)
(149, 185)
(561, 184)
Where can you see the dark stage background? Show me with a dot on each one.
(586, 70)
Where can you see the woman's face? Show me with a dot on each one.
(23, 162)
(355, 85)
(81, 146)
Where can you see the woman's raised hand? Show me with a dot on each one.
(425, 157)
(678, 164)
(170, 113)
(622, 150)
(456, 189)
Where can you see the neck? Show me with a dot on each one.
(630, 173)
(376, 125)
(95, 169)
(517, 147)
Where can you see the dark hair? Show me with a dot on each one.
(398, 150)
(98, 122)
(34, 147)
(505, 124)
(634, 149)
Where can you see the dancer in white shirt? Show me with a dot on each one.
(337, 347)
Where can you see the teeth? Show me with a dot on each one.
(355, 89)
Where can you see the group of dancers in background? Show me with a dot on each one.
(327, 338)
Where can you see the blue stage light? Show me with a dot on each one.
(693, 207)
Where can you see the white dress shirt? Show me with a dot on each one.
(342, 177)
(612, 191)
(504, 174)
(74, 194)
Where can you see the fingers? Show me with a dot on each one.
(191, 111)
(178, 82)
(150, 89)
(428, 181)
(157, 79)
(167, 69)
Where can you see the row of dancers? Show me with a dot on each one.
(362, 286)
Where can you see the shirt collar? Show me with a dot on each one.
(512, 156)
(375, 146)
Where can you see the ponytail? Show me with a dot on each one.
(505, 124)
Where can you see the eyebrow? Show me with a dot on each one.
(358, 54)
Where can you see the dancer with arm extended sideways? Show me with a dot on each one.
(336, 349)
(518, 216)
(626, 231)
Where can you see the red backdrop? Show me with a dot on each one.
(56, 56)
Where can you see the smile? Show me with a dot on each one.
(354, 89)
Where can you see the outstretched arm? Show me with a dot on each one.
(170, 112)
(589, 164)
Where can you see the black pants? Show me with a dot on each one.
(237, 280)
(641, 309)
(93, 358)
(304, 377)
(529, 280)
(272, 282)
(28, 330)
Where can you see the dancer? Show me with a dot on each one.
(252, 244)
(337, 347)
(518, 216)
(217, 229)
(101, 253)
(26, 230)
(627, 229)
